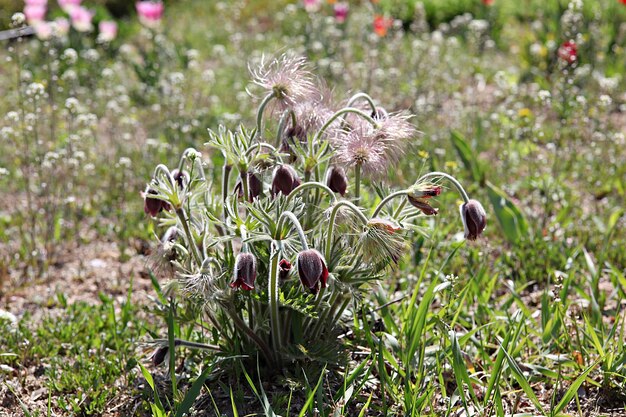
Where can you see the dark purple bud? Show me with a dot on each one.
(284, 180)
(422, 204)
(474, 219)
(284, 268)
(255, 186)
(153, 206)
(159, 355)
(295, 132)
(312, 269)
(181, 178)
(379, 114)
(245, 272)
(336, 180)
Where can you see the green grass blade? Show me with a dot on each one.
(573, 389)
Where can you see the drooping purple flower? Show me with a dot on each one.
(474, 219)
(287, 78)
(255, 186)
(154, 206)
(181, 178)
(336, 180)
(285, 179)
(312, 269)
(244, 274)
(284, 268)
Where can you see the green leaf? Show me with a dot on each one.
(467, 156)
(194, 391)
(311, 396)
(573, 389)
(521, 380)
(510, 217)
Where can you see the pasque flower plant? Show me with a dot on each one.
(287, 244)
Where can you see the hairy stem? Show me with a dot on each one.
(260, 111)
(387, 199)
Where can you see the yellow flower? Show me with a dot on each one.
(525, 112)
(423, 154)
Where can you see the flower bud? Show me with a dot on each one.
(284, 180)
(312, 269)
(181, 178)
(284, 268)
(474, 219)
(419, 194)
(154, 206)
(245, 272)
(336, 180)
(159, 355)
(423, 205)
(255, 186)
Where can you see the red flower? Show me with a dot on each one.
(568, 52)
(490, 2)
(381, 25)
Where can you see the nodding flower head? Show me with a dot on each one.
(312, 270)
(181, 178)
(419, 195)
(255, 186)
(284, 268)
(474, 219)
(382, 241)
(159, 355)
(336, 180)
(154, 206)
(245, 272)
(287, 78)
(285, 179)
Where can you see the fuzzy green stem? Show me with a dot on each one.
(307, 185)
(331, 225)
(387, 199)
(250, 333)
(450, 178)
(180, 212)
(225, 175)
(294, 221)
(260, 111)
(357, 181)
(283, 123)
(340, 113)
(260, 145)
(194, 345)
(273, 300)
(363, 96)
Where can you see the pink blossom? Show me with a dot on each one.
(36, 2)
(150, 13)
(62, 26)
(81, 19)
(43, 30)
(34, 14)
(108, 30)
(68, 5)
(312, 5)
(341, 12)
